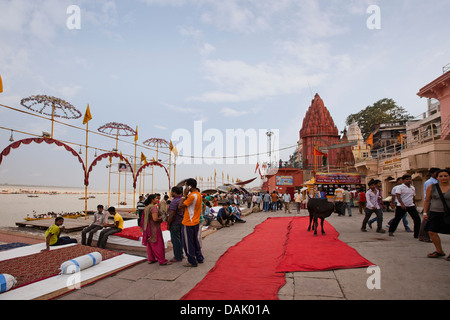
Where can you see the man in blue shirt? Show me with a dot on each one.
(223, 216)
(174, 223)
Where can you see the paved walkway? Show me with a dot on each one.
(405, 272)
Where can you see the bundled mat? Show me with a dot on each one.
(304, 252)
(247, 271)
(135, 233)
(7, 281)
(81, 263)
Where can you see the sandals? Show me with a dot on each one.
(435, 255)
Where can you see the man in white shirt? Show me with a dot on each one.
(405, 195)
(100, 217)
(395, 204)
(373, 206)
(287, 201)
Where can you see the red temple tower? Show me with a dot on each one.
(319, 131)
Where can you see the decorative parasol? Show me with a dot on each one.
(117, 129)
(51, 106)
(156, 142)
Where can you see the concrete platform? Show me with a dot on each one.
(405, 271)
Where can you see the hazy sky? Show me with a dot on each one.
(163, 64)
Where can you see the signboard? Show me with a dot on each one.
(338, 178)
(392, 165)
(285, 180)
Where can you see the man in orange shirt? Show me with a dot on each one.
(191, 203)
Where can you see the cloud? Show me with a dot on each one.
(207, 49)
(232, 113)
(238, 81)
(190, 32)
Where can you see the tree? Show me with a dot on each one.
(383, 111)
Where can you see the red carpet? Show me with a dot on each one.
(40, 266)
(247, 271)
(304, 252)
(254, 268)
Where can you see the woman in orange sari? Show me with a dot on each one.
(152, 236)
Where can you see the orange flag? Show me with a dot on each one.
(87, 115)
(370, 140)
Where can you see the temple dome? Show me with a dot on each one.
(318, 121)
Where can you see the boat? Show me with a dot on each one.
(32, 196)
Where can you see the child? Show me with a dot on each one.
(115, 227)
(99, 219)
(52, 235)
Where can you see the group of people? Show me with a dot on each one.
(53, 233)
(436, 214)
(183, 214)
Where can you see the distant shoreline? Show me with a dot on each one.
(53, 190)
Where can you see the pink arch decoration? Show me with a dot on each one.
(28, 141)
(153, 163)
(104, 156)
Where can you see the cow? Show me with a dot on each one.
(319, 209)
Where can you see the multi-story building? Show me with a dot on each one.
(425, 144)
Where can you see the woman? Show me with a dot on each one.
(152, 236)
(434, 212)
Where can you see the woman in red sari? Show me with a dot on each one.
(152, 236)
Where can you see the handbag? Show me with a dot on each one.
(446, 209)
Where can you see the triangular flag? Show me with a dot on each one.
(143, 158)
(257, 167)
(1, 84)
(87, 115)
(171, 146)
(175, 151)
(136, 135)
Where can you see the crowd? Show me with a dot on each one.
(186, 210)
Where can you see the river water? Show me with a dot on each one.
(16, 207)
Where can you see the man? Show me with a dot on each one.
(394, 204)
(361, 201)
(266, 201)
(424, 235)
(174, 224)
(298, 201)
(52, 235)
(96, 225)
(236, 213)
(191, 203)
(347, 198)
(373, 206)
(111, 228)
(287, 202)
(274, 201)
(140, 207)
(406, 197)
(223, 216)
(339, 201)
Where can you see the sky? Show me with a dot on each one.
(195, 70)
